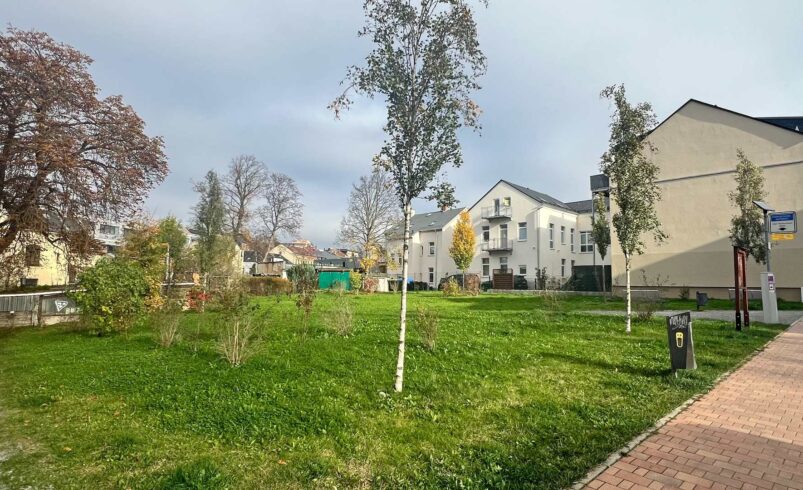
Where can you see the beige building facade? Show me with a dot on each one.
(696, 154)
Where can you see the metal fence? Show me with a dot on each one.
(40, 308)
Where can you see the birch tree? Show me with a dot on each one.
(601, 231)
(463, 244)
(372, 211)
(633, 176)
(424, 64)
(747, 227)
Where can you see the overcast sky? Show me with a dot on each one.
(217, 79)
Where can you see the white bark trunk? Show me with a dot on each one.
(629, 310)
(399, 382)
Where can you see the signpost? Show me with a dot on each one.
(681, 343)
(783, 222)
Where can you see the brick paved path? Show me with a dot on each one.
(747, 433)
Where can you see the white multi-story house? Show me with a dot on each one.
(431, 236)
(521, 230)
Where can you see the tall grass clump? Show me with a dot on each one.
(427, 322)
(343, 312)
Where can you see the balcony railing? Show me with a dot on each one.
(497, 245)
(497, 212)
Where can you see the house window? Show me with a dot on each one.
(586, 242)
(503, 235)
(108, 230)
(572, 269)
(522, 231)
(432, 248)
(486, 233)
(33, 256)
(431, 275)
(571, 239)
(503, 263)
(551, 235)
(562, 267)
(563, 235)
(506, 201)
(523, 270)
(486, 267)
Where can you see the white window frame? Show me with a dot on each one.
(563, 235)
(501, 261)
(562, 267)
(431, 248)
(552, 236)
(524, 268)
(522, 228)
(588, 246)
(486, 234)
(571, 239)
(431, 275)
(486, 266)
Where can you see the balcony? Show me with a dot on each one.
(497, 245)
(496, 212)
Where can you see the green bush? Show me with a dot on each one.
(268, 286)
(520, 282)
(303, 276)
(355, 278)
(451, 288)
(111, 295)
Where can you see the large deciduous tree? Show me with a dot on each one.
(172, 234)
(633, 177)
(425, 63)
(373, 210)
(282, 212)
(601, 231)
(463, 244)
(747, 227)
(208, 220)
(241, 188)
(68, 158)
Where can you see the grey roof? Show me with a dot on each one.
(432, 221)
(538, 196)
(580, 206)
(793, 123)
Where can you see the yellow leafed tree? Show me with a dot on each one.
(463, 244)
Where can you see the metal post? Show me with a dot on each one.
(767, 242)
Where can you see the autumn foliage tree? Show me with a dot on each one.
(68, 158)
(425, 63)
(747, 227)
(463, 244)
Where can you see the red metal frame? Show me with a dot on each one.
(740, 290)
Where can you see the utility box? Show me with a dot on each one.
(681, 342)
(769, 298)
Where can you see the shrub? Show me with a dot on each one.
(111, 295)
(427, 322)
(268, 286)
(355, 278)
(451, 288)
(486, 285)
(646, 308)
(684, 292)
(305, 284)
(343, 314)
(420, 286)
(166, 322)
(370, 284)
(197, 299)
(237, 341)
(520, 282)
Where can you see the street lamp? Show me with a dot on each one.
(766, 209)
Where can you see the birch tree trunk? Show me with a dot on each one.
(629, 310)
(399, 382)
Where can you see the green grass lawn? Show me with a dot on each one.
(513, 395)
(579, 303)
